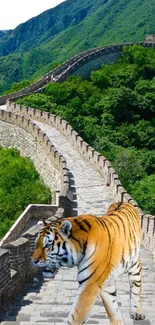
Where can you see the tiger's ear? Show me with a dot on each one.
(66, 227)
(42, 222)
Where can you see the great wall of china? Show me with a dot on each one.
(69, 67)
(17, 246)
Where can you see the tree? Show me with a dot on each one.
(19, 186)
(144, 193)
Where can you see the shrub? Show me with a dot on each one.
(19, 186)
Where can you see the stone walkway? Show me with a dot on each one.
(49, 302)
(91, 195)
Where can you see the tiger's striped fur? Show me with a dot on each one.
(102, 248)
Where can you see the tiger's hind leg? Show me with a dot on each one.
(109, 297)
(134, 274)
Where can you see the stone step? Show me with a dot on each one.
(48, 302)
(46, 322)
(10, 323)
(55, 321)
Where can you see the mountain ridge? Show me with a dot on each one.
(71, 27)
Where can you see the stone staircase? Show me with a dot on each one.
(91, 195)
(49, 301)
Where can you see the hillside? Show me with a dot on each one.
(18, 175)
(29, 50)
(113, 111)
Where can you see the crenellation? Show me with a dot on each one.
(74, 136)
(90, 153)
(19, 254)
(58, 122)
(100, 162)
(41, 136)
(115, 188)
(45, 116)
(97, 156)
(121, 193)
(16, 255)
(151, 228)
(58, 158)
(69, 131)
(85, 146)
(3, 257)
(127, 198)
(79, 142)
(64, 126)
(145, 224)
(5, 278)
(106, 172)
(52, 119)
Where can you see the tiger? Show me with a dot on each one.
(102, 248)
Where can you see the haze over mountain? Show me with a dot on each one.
(30, 49)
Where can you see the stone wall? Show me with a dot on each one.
(15, 266)
(100, 162)
(15, 256)
(13, 136)
(69, 67)
(47, 147)
(150, 38)
(30, 216)
(93, 65)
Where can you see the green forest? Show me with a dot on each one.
(32, 48)
(114, 111)
(19, 186)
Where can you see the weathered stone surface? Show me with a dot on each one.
(91, 195)
(14, 136)
(49, 302)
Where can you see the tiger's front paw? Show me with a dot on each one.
(137, 316)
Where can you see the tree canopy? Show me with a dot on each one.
(114, 111)
(19, 186)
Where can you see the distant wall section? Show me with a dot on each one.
(69, 67)
(95, 64)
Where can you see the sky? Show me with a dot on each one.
(15, 12)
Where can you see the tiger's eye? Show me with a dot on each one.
(65, 259)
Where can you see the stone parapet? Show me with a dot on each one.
(150, 38)
(16, 250)
(100, 163)
(35, 211)
(15, 253)
(16, 267)
(68, 68)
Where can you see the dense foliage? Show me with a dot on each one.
(18, 86)
(114, 111)
(19, 186)
(72, 27)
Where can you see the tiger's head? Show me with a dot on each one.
(53, 246)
